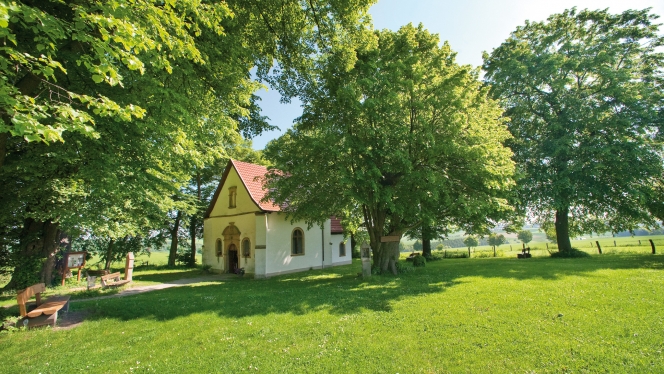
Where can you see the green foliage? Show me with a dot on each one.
(525, 236)
(496, 240)
(403, 268)
(471, 241)
(417, 246)
(111, 109)
(583, 93)
(27, 270)
(419, 261)
(574, 253)
(404, 135)
(455, 254)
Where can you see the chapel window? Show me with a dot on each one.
(342, 249)
(297, 242)
(217, 248)
(232, 195)
(246, 248)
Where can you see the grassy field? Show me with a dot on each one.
(609, 245)
(596, 314)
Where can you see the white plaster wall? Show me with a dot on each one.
(261, 240)
(336, 259)
(278, 252)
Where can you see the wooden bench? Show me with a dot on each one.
(91, 276)
(112, 280)
(525, 253)
(42, 313)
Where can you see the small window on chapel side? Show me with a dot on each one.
(232, 194)
(246, 248)
(217, 248)
(342, 249)
(297, 242)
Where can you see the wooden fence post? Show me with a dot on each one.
(599, 249)
(652, 245)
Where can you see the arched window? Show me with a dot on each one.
(297, 242)
(232, 195)
(342, 249)
(246, 247)
(217, 248)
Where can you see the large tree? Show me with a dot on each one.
(404, 133)
(583, 91)
(110, 107)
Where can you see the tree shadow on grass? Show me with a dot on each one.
(339, 290)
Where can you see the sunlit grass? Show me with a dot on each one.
(596, 314)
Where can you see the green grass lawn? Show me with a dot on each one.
(596, 314)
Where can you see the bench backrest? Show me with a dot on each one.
(22, 297)
(110, 276)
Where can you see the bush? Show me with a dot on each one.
(419, 261)
(574, 253)
(455, 254)
(433, 257)
(402, 268)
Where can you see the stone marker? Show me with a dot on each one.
(365, 253)
(129, 266)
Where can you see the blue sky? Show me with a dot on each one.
(470, 26)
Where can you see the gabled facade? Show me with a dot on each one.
(240, 231)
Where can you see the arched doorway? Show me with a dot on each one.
(231, 244)
(232, 258)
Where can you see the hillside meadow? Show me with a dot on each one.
(595, 314)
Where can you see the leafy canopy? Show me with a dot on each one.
(583, 91)
(403, 135)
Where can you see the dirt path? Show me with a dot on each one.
(161, 286)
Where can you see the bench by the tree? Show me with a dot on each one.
(42, 313)
(525, 253)
(112, 280)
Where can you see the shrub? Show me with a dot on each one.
(433, 257)
(455, 254)
(419, 261)
(574, 253)
(402, 268)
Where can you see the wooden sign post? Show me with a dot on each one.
(73, 260)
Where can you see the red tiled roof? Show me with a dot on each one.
(253, 177)
(335, 225)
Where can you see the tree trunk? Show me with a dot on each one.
(562, 230)
(426, 247)
(352, 244)
(35, 260)
(426, 241)
(192, 233)
(109, 255)
(174, 239)
(387, 255)
(51, 245)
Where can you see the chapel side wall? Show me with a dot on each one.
(278, 252)
(260, 246)
(336, 239)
